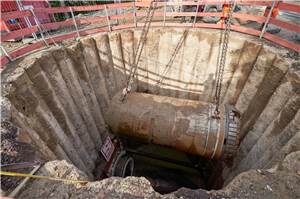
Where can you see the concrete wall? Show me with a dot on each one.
(60, 96)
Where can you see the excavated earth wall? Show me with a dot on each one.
(60, 96)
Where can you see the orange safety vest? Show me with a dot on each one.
(274, 14)
(3, 26)
(226, 8)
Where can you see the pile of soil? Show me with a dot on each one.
(282, 182)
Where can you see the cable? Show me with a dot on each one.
(15, 174)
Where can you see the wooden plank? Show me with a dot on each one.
(57, 25)
(120, 5)
(245, 30)
(93, 31)
(82, 8)
(39, 44)
(121, 16)
(29, 48)
(289, 7)
(15, 14)
(52, 10)
(206, 2)
(88, 8)
(4, 61)
(123, 26)
(87, 20)
(246, 17)
(285, 25)
(282, 42)
(18, 33)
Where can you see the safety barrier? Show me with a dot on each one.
(134, 20)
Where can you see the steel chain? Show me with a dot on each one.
(222, 60)
(139, 49)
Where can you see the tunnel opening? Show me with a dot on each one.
(167, 169)
(60, 98)
(183, 138)
(167, 175)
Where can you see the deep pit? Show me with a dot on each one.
(60, 98)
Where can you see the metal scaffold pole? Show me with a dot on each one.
(267, 21)
(74, 21)
(107, 19)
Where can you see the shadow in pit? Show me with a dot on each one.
(168, 169)
(208, 172)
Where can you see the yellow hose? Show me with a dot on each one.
(15, 174)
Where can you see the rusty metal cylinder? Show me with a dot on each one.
(185, 125)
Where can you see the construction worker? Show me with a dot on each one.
(226, 9)
(3, 26)
(275, 11)
(274, 14)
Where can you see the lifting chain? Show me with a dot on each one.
(139, 49)
(222, 59)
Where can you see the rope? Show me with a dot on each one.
(15, 174)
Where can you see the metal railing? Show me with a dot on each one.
(104, 19)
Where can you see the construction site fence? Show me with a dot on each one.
(129, 15)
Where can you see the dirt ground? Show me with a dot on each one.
(12, 149)
(254, 184)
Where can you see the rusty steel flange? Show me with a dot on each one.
(123, 166)
(232, 131)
